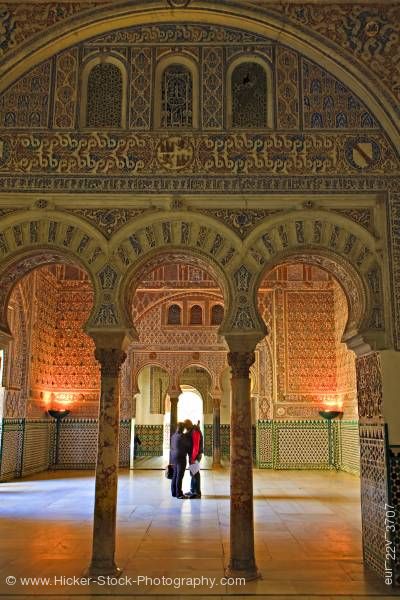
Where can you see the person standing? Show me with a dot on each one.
(196, 452)
(180, 448)
(136, 444)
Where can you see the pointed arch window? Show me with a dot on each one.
(249, 96)
(174, 315)
(217, 314)
(196, 315)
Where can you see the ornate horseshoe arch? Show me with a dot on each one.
(187, 239)
(335, 245)
(28, 241)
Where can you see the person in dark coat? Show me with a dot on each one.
(195, 438)
(136, 444)
(180, 448)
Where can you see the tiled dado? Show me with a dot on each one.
(394, 501)
(26, 447)
(29, 446)
(374, 495)
(224, 436)
(77, 447)
(151, 439)
(11, 448)
(308, 444)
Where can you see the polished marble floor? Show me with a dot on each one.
(308, 540)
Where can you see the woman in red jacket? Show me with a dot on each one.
(196, 440)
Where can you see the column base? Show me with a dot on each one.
(105, 569)
(249, 574)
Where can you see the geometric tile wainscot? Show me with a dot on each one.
(28, 446)
(393, 517)
(306, 445)
(277, 444)
(78, 444)
(151, 438)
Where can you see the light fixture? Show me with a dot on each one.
(329, 414)
(58, 415)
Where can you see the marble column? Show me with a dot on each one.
(216, 435)
(242, 557)
(174, 414)
(105, 507)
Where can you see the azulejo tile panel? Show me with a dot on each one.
(300, 445)
(151, 437)
(374, 494)
(349, 447)
(12, 439)
(265, 443)
(394, 517)
(307, 444)
(37, 450)
(78, 444)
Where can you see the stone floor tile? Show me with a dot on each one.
(307, 535)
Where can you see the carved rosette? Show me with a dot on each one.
(111, 360)
(240, 363)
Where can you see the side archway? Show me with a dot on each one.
(340, 247)
(31, 241)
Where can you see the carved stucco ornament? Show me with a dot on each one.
(178, 3)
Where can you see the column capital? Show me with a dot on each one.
(111, 338)
(240, 363)
(244, 341)
(216, 400)
(110, 360)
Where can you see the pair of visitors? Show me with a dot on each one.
(185, 444)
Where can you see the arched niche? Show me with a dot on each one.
(176, 65)
(109, 74)
(257, 72)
